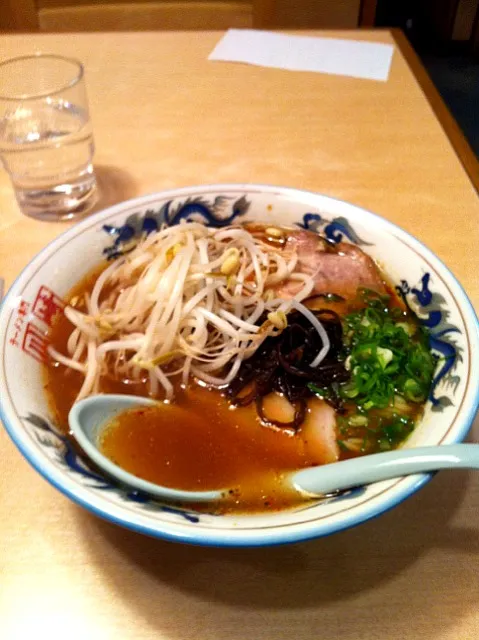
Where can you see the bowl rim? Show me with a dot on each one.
(291, 532)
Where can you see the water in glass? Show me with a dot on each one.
(48, 153)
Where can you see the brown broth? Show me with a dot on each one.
(199, 443)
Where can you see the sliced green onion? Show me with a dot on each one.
(413, 391)
(386, 353)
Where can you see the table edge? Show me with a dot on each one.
(447, 121)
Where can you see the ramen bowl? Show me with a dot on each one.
(425, 284)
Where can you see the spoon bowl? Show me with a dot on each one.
(89, 417)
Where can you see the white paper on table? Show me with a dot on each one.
(369, 60)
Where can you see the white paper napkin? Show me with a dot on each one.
(369, 60)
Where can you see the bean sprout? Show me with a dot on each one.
(187, 300)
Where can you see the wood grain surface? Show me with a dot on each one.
(164, 117)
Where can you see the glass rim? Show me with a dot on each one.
(35, 96)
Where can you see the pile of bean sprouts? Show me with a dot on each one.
(189, 301)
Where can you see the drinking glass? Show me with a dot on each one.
(46, 139)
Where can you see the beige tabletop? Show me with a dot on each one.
(164, 117)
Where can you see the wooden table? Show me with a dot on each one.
(164, 117)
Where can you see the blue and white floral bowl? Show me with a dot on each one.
(424, 282)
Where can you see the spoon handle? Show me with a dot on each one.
(384, 466)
